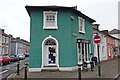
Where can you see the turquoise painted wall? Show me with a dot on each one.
(67, 42)
(75, 29)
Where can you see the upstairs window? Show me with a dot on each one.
(3, 39)
(81, 23)
(7, 40)
(50, 20)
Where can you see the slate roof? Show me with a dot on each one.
(114, 31)
(28, 8)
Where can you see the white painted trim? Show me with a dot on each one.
(83, 26)
(44, 24)
(68, 68)
(81, 52)
(54, 27)
(16, 52)
(57, 50)
(34, 69)
(61, 69)
(84, 52)
(90, 48)
(50, 68)
(87, 52)
(77, 53)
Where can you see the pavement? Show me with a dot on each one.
(109, 70)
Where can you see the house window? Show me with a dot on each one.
(3, 39)
(7, 40)
(0, 39)
(81, 23)
(50, 20)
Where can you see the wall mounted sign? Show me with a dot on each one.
(83, 41)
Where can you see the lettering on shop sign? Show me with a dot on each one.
(83, 41)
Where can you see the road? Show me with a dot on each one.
(11, 68)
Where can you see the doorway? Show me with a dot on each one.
(50, 52)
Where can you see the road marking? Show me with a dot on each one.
(3, 71)
(117, 76)
(11, 76)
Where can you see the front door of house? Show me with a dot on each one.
(50, 53)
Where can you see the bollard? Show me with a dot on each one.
(79, 72)
(25, 75)
(18, 65)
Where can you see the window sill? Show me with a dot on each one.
(82, 32)
(50, 27)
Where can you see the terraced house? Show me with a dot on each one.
(19, 46)
(5, 42)
(60, 37)
(102, 44)
(0, 41)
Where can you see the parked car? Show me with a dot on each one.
(21, 56)
(26, 54)
(14, 58)
(7, 58)
(4, 60)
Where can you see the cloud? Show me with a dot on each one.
(14, 16)
(13, 26)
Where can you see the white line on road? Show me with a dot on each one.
(3, 71)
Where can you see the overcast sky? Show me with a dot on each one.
(15, 20)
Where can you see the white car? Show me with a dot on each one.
(21, 56)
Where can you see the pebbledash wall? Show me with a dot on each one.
(62, 39)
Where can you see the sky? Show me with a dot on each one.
(16, 21)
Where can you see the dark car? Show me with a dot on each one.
(26, 54)
(14, 58)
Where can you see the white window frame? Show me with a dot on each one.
(44, 20)
(81, 25)
(7, 39)
(0, 39)
(3, 39)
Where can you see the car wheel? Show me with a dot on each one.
(8, 62)
(1, 64)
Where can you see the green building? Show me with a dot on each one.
(60, 37)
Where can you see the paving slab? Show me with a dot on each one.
(109, 70)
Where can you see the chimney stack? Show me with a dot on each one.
(75, 7)
(17, 37)
(96, 26)
(3, 30)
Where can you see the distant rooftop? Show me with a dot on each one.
(114, 31)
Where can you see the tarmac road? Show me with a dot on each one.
(8, 69)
